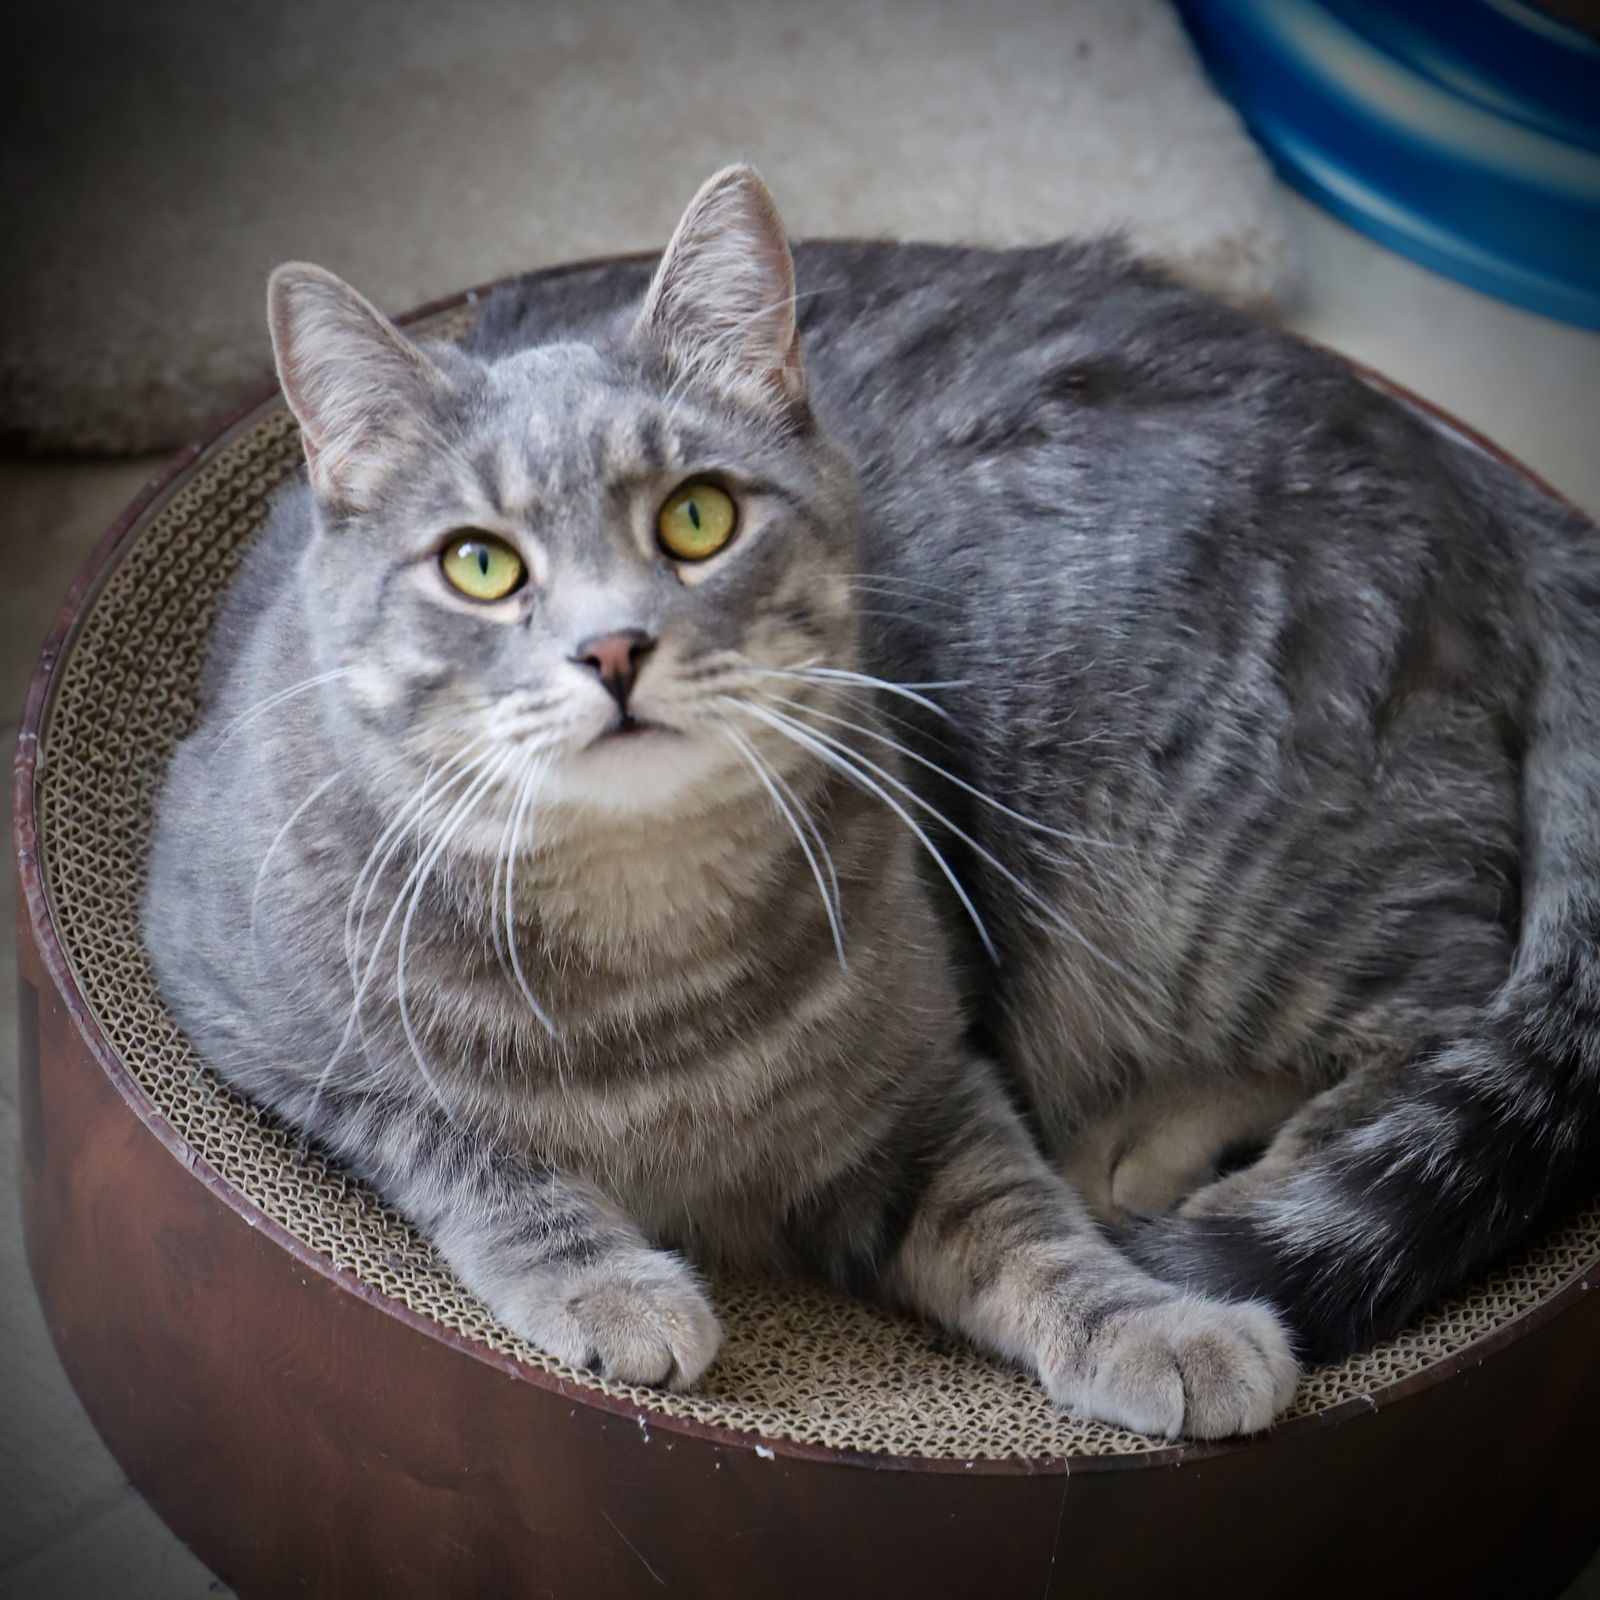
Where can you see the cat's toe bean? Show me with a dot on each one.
(1201, 1368)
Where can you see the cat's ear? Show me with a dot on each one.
(722, 300)
(357, 385)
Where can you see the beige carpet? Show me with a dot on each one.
(157, 159)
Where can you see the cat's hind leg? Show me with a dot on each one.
(1316, 1124)
(1391, 1187)
(1146, 1156)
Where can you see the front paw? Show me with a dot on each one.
(1204, 1368)
(639, 1317)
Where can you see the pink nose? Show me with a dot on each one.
(615, 658)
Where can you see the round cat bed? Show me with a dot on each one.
(305, 1394)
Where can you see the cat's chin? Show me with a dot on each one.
(638, 768)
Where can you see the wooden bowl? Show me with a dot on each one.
(303, 1392)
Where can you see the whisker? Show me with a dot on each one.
(830, 906)
(896, 616)
(473, 773)
(497, 938)
(950, 777)
(392, 839)
(811, 827)
(1051, 914)
(534, 772)
(805, 739)
(502, 858)
(261, 707)
(906, 691)
(796, 671)
(901, 579)
(463, 808)
(498, 928)
(277, 839)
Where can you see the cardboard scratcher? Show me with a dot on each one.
(301, 1389)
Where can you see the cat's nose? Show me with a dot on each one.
(615, 658)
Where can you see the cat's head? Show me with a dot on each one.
(570, 571)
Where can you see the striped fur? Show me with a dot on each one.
(1232, 897)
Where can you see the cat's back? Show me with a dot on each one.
(1074, 382)
(897, 331)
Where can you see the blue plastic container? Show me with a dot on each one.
(1464, 133)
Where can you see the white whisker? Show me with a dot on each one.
(906, 691)
(1047, 911)
(261, 707)
(811, 827)
(950, 777)
(277, 839)
(829, 905)
(359, 985)
(807, 740)
(392, 839)
(901, 580)
(482, 784)
(535, 771)
(1051, 914)
(896, 616)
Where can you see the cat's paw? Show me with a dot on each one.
(1185, 1366)
(635, 1318)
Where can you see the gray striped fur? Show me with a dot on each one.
(1260, 779)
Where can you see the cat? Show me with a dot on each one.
(990, 776)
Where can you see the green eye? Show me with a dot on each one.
(696, 522)
(482, 567)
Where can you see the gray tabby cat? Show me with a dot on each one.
(904, 779)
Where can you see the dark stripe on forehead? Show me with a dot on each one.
(688, 445)
(619, 495)
(486, 473)
(599, 444)
(440, 503)
(652, 457)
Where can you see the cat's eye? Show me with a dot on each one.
(696, 522)
(481, 566)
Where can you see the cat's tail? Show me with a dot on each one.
(1495, 1133)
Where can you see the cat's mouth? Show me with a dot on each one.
(627, 726)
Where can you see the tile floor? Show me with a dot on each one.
(70, 1526)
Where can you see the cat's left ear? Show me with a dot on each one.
(722, 300)
(359, 388)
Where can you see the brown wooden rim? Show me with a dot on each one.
(58, 967)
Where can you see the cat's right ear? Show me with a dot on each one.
(357, 385)
(722, 301)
